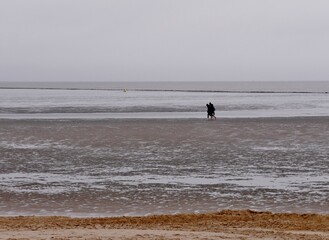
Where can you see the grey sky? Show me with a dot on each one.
(153, 40)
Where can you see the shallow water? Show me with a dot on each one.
(152, 166)
(101, 104)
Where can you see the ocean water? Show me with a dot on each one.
(103, 151)
(161, 100)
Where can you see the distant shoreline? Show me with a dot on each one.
(182, 86)
(162, 90)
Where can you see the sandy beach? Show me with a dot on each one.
(244, 224)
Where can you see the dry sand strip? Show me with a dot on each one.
(222, 225)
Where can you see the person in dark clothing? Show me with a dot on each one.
(210, 111)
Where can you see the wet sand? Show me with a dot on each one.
(279, 147)
(138, 167)
(244, 224)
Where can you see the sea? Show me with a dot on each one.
(96, 100)
(143, 148)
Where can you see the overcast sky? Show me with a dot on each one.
(164, 40)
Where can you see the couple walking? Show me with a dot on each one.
(210, 111)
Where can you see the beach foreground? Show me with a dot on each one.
(137, 167)
(243, 224)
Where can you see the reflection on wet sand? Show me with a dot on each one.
(163, 166)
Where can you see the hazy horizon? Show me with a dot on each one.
(163, 40)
